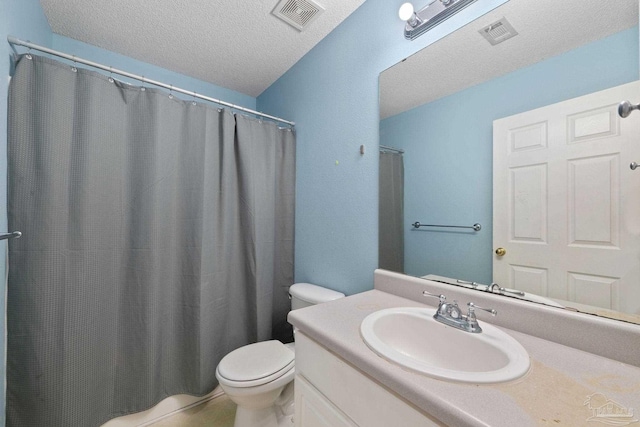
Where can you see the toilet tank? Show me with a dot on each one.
(306, 294)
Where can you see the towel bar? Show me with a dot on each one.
(475, 227)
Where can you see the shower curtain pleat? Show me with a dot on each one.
(157, 237)
(391, 212)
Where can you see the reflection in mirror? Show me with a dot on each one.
(391, 209)
(521, 136)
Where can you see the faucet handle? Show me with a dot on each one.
(464, 282)
(472, 308)
(512, 291)
(429, 294)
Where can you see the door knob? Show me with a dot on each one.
(501, 251)
(625, 108)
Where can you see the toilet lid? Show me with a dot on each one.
(255, 361)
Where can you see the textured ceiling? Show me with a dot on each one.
(235, 44)
(463, 59)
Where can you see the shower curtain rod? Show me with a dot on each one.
(15, 41)
(387, 148)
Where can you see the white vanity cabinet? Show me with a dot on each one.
(329, 392)
(313, 409)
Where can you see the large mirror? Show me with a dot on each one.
(510, 125)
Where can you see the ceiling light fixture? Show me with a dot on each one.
(435, 12)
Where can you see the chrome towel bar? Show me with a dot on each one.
(475, 227)
(13, 235)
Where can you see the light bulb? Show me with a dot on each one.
(406, 11)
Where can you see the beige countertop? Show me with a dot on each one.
(554, 392)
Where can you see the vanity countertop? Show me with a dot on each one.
(555, 391)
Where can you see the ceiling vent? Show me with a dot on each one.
(298, 13)
(498, 32)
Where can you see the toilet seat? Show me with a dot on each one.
(255, 364)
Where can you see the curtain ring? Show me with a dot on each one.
(194, 99)
(73, 67)
(111, 75)
(171, 92)
(28, 55)
(142, 89)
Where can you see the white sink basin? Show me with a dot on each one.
(412, 338)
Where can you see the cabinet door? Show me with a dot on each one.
(315, 410)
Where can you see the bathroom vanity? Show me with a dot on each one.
(342, 382)
(330, 392)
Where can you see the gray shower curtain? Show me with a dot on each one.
(157, 237)
(391, 212)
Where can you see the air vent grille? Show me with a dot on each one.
(298, 13)
(498, 32)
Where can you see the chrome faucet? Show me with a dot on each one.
(450, 314)
(493, 286)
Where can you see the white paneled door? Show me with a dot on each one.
(566, 205)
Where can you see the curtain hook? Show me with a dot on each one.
(194, 99)
(73, 67)
(171, 92)
(28, 55)
(142, 89)
(111, 75)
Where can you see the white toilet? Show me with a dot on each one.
(259, 377)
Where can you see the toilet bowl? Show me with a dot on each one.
(254, 377)
(259, 377)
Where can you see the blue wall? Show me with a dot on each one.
(332, 95)
(448, 167)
